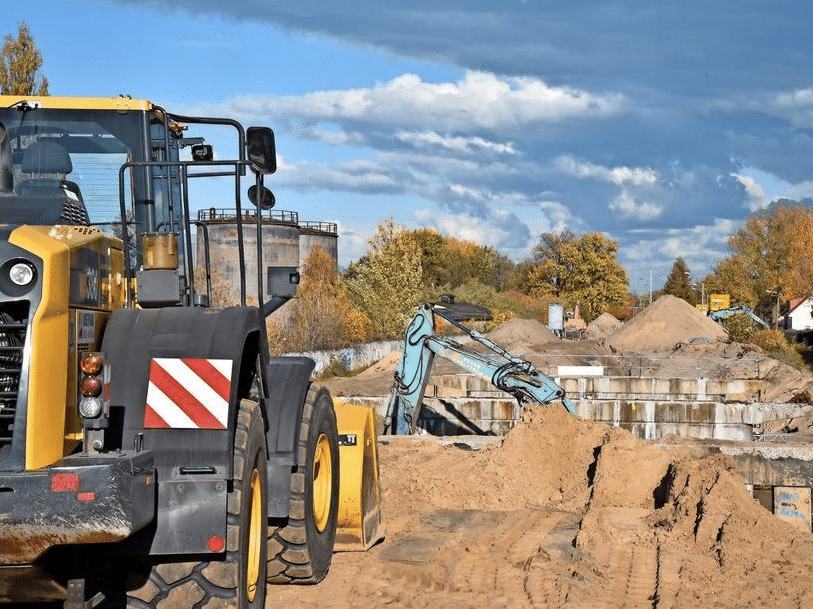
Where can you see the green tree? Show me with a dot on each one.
(581, 270)
(678, 283)
(448, 262)
(385, 283)
(20, 63)
(435, 263)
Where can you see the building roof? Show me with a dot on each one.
(794, 303)
(462, 311)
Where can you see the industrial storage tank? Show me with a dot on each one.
(286, 245)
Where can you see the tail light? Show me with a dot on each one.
(94, 392)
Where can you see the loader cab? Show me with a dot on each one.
(66, 165)
(124, 167)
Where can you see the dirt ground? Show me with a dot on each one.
(564, 512)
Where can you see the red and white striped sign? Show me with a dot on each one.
(188, 393)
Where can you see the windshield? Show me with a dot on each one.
(77, 154)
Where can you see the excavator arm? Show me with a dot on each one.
(721, 314)
(506, 372)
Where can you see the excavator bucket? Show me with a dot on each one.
(360, 525)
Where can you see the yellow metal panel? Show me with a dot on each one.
(359, 524)
(49, 345)
(718, 302)
(120, 103)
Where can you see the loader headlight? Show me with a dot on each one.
(21, 274)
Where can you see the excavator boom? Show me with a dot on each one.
(505, 371)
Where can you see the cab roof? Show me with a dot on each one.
(120, 103)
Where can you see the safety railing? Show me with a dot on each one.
(219, 214)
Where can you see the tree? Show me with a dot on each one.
(770, 258)
(322, 316)
(448, 262)
(385, 283)
(678, 282)
(20, 62)
(581, 270)
(435, 258)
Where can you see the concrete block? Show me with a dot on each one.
(580, 371)
(442, 391)
(792, 504)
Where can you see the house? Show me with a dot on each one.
(799, 314)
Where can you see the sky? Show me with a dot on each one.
(661, 125)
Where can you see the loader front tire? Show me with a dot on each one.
(300, 551)
(238, 579)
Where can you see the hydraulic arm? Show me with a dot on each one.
(507, 372)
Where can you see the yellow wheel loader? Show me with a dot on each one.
(152, 453)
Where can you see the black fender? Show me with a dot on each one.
(193, 466)
(134, 336)
(288, 381)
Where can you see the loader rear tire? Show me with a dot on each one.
(300, 552)
(238, 580)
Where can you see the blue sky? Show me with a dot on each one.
(660, 125)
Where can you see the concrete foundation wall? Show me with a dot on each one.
(354, 356)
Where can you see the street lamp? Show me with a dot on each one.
(702, 291)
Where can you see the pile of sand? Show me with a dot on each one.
(729, 550)
(602, 326)
(663, 325)
(516, 334)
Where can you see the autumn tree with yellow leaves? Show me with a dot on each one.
(770, 260)
(322, 315)
(385, 284)
(20, 63)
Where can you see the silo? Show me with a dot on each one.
(280, 238)
(318, 234)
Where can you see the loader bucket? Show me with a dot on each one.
(359, 526)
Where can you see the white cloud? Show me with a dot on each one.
(803, 190)
(466, 227)
(628, 207)
(432, 139)
(636, 176)
(757, 199)
(357, 176)
(479, 100)
(797, 106)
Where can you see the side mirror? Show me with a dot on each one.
(260, 148)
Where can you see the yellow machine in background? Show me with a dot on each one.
(718, 302)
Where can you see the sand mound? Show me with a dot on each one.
(602, 326)
(713, 544)
(385, 365)
(532, 467)
(662, 325)
(516, 334)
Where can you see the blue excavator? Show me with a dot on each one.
(721, 314)
(505, 371)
